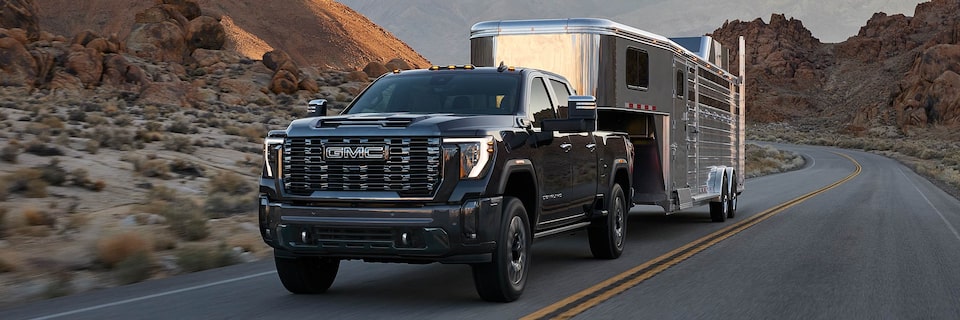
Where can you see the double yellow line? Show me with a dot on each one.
(603, 291)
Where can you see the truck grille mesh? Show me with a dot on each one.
(412, 167)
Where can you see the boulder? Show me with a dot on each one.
(240, 91)
(120, 73)
(205, 32)
(161, 41)
(165, 94)
(84, 37)
(20, 14)
(284, 82)
(375, 69)
(358, 76)
(46, 61)
(16, 33)
(188, 8)
(275, 59)
(206, 57)
(397, 64)
(66, 83)
(17, 67)
(86, 64)
(309, 84)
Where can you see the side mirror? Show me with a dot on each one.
(581, 116)
(583, 108)
(317, 108)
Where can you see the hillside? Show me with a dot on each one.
(898, 71)
(319, 33)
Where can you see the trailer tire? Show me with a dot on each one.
(504, 278)
(607, 234)
(719, 209)
(305, 275)
(732, 202)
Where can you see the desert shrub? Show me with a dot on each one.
(92, 146)
(185, 218)
(230, 183)
(182, 126)
(96, 120)
(53, 173)
(59, 286)
(134, 268)
(161, 193)
(148, 136)
(6, 266)
(10, 152)
(98, 186)
(37, 217)
(36, 189)
(153, 168)
(178, 143)
(113, 249)
(40, 148)
(20, 179)
(195, 258)
(220, 205)
(186, 168)
(76, 115)
(123, 120)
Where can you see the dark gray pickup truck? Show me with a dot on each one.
(451, 164)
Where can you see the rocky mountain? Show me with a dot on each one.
(897, 71)
(318, 33)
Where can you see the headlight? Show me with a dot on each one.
(475, 153)
(272, 146)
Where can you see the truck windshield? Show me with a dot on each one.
(441, 92)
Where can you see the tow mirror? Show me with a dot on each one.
(317, 108)
(582, 116)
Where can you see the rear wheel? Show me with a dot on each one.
(503, 279)
(607, 234)
(732, 202)
(305, 275)
(719, 209)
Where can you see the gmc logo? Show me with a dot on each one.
(355, 152)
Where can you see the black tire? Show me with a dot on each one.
(732, 202)
(306, 275)
(718, 209)
(607, 234)
(504, 278)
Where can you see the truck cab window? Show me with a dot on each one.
(563, 94)
(638, 69)
(540, 105)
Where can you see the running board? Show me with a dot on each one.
(561, 230)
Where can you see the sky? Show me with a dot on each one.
(439, 29)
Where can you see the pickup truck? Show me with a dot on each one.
(457, 164)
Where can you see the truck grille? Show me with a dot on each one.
(409, 166)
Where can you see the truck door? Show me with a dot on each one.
(683, 131)
(583, 156)
(554, 158)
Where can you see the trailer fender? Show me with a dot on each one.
(716, 177)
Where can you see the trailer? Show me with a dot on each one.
(675, 98)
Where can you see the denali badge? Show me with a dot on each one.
(354, 152)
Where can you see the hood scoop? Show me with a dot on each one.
(369, 121)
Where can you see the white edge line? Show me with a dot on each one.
(945, 221)
(156, 295)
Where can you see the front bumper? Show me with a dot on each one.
(463, 233)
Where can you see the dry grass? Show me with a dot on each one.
(198, 258)
(114, 249)
(230, 183)
(37, 217)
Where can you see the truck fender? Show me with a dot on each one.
(513, 166)
(620, 164)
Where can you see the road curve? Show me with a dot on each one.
(882, 245)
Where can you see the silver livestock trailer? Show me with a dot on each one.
(675, 97)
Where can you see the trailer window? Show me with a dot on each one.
(563, 94)
(680, 81)
(540, 105)
(638, 69)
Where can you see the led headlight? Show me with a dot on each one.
(272, 146)
(475, 154)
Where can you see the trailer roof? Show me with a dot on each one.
(691, 46)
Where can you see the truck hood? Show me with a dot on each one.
(401, 124)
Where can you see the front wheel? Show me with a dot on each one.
(607, 234)
(503, 279)
(305, 275)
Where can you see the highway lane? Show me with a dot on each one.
(813, 259)
(883, 245)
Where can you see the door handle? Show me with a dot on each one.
(566, 147)
(592, 146)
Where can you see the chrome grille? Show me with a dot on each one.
(411, 167)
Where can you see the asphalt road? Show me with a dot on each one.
(883, 244)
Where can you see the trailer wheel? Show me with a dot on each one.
(305, 275)
(503, 279)
(720, 209)
(732, 202)
(607, 234)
